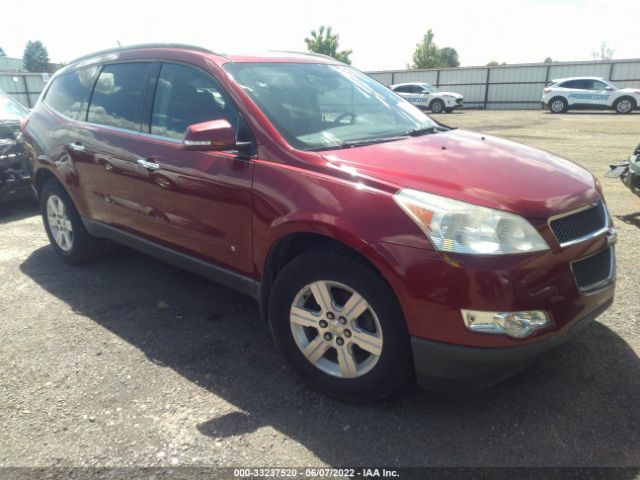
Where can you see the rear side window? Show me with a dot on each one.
(68, 91)
(577, 84)
(117, 97)
(186, 96)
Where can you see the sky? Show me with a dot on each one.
(382, 34)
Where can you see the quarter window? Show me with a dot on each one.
(117, 96)
(68, 91)
(186, 96)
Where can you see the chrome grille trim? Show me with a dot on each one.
(584, 238)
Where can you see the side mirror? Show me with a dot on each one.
(211, 135)
(608, 87)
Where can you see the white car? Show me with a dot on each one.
(426, 96)
(589, 93)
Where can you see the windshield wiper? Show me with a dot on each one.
(426, 131)
(359, 143)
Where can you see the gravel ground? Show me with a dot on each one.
(129, 361)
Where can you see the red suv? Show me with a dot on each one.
(379, 243)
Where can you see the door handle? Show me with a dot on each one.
(76, 147)
(147, 164)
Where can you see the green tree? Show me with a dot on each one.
(449, 57)
(605, 53)
(492, 63)
(324, 41)
(427, 54)
(548, 60)
(35, 57)
(2, 54)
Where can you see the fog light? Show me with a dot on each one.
(513, 324)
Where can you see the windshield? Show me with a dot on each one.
(10, 109)
(318, 106)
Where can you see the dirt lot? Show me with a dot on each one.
(129, 361)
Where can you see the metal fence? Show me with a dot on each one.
(499, 87)
(513, 86)
(24, 87)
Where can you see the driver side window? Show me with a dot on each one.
(185, 96)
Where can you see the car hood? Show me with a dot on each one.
(450, 94)
(631, 91)
(479, 169)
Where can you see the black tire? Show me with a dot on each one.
(624, 105)
(448, 110)
(436, 106)
(394, 363)
(84, 247)
(558, 105)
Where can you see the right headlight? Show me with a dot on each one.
(460, 227)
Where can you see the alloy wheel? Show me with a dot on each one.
(557, 106)
(336, 329)
(624, 106)
(59, 223)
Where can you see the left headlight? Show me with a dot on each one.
(460, 227)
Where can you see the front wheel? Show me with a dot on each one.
(624, 105)
(437, 106)
(340, 327)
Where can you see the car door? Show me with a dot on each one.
(576, 91)
(600, 96)
(102, 144)
(62, 103)
(198, 202)
(426, 95)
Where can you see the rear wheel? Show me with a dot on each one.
(340, 327)
(437, 106)
(558, 105)
(64, 227)
(624, 105)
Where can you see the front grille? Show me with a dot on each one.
(595, 271)
(458, 101)
(580, 225)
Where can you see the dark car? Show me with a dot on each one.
(629, 172)
(15, 178)
(374, 239)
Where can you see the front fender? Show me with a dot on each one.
(355, 212)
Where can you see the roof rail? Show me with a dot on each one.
(310, 54)
(144, 45)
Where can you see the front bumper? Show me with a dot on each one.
(453, 103)
(15, 180)
(453, 368)
(629, 173)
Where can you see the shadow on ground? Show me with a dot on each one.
(631, 219)
(576, 407)
(14, 210)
